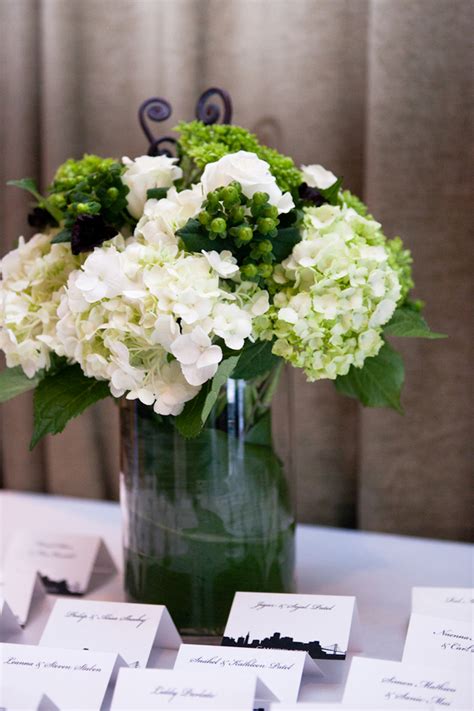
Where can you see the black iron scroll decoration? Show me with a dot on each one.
(157, 109)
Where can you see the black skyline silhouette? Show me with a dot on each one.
(276, 641)
(57, 587)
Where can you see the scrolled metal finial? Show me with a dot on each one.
(210, 113)
(156, 109)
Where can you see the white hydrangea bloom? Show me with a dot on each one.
(167, 215)
(32, 277)
(251, 172)
(337, 291)
(144, 173)
(316, 176)
(147, 320)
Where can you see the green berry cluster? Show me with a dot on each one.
(90, 186)
(248, 226)
(206, 144)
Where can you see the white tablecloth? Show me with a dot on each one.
(378, 569)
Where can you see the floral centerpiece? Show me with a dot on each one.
(179, 285)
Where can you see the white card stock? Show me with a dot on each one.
(279, 672)
(10, 630)
(443, 642)
(455, 603)
(378, 684)
(71, 679)
(21, 589)
(139, 689)
(325, 626)
(128, 629)
(65, 563)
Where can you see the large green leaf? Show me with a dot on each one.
(195, 237)
(61, 396)
(63, 236)
(410, 323)
(255, 359)
(14, 382)
(378, 383)
(284, 242)
(27, 184)
(195, 413)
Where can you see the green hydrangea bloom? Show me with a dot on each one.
(400, 258)
(206, 144)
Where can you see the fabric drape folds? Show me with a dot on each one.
(377, 90)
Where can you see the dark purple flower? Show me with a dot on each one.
(40, 218)
(311, 195)
(90, 231)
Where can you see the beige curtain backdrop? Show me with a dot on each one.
(376, 90)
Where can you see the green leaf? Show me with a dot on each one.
(285, 241)
(61, 396)
(14, 382)
(255, 359)
(27, 184)
(261, 432)
(195, 236)
(63, 236)
(378, 383)
(409, 323)
(195, 413)
(156, 193)
(331, 193)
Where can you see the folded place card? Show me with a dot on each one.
(139, 689)
(21, 589)
(65, 563)
(379, 684)
(445, 642)
(457, 603)
(324, 626)
(278, 671)
(71, 679)
(128, 629)
(10, 630)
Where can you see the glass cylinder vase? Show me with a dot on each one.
(208, 516)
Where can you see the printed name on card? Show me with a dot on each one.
(379, 684)
(183, 689)
(65, 563)
(445, 642)
(71, 679)
(279, 672)
(456, 603)
(324, 626)
(128, 629)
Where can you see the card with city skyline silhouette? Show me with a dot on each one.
(324, 626)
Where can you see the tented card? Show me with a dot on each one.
(10, 630)
(456, 603)
(65, 563)
(181, 689)
(445, 642)
(128, 629)
(379, 684)
(279, 671)
(21, 588)
(72, 679)
(325, 626)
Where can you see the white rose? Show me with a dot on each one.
(252, 173)
(144, 173)
(318, 177)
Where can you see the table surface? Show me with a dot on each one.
(379, 569)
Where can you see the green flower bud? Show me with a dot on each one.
(204, 218)
(230, 196)
(265, 246)
(265, 270)
(218, 225)
(249, 271)
(260, 199)
(237, 214)
(245, 234)
(112, 193)
(82, 208)
(265, 225)
(270, 211)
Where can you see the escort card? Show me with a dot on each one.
(183, 689)
(379, 684)
(324, 626)
(128, 629)
(10, 630)
(456, 603)
(65, 563)
(279, 671)
(22, 589)
(445, 643)
(72, 679)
